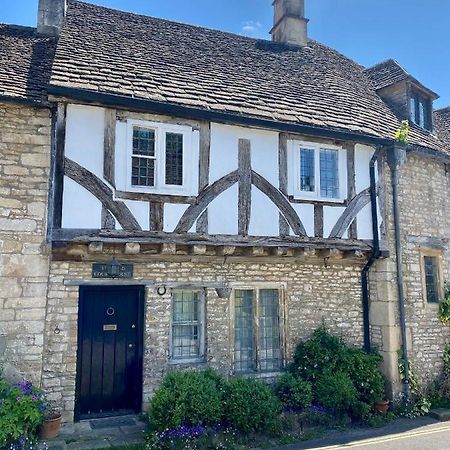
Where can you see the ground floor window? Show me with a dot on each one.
(187, 340)
(431, 275)
(257, 330)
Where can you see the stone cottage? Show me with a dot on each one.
(212, 199)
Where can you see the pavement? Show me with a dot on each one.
(99, 434)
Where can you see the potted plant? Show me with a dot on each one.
(381, 407)
(52, 422)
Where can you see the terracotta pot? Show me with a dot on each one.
(50, 428)
(382, 407)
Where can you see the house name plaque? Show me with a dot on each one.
(112, 269)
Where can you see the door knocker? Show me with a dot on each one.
(110, 311)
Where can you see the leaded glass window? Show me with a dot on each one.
(143, 159)
(187, 310)
(420, 111)
(174, 159)
(329, 173)
(431, 278)
(257, 343)
(307, 170)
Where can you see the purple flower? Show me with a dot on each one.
(42, 408)
(18, 399)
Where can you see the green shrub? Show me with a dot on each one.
(322, 352)
(446, 359)
(326, 353)
(187, 398)
(294, 393)
(336, 391)
(250, 405)
(22, 409)
(363, 370)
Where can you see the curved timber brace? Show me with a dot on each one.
(102, 192)
(245, 176)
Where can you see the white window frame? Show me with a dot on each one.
(294, 190)
(256, 287)
(190, 158)
(201, 328)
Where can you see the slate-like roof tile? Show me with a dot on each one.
(25, 63)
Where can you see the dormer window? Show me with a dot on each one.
(420, 110)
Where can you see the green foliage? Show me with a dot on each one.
(326, 354)
(21, 411)
(250, 405)
(402, 134)
(336, 391)
(446, 359)
(294, 393)
(444, 306)
(187, 398)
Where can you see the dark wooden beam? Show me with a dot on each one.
(102, 192)
(283, 177)
(347, 217)
(318, 220)
(204, 164)
(109, 146)
(156, 216)
(108, 221)
(58, 180)
(204, 199)
(154, 198)
(281, 202)
(351, 185)
(245, 186)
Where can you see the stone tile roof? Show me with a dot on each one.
(391, 72)
(113, 52)
(25, 63)
(442, 125)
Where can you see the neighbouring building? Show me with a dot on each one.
(212, 199)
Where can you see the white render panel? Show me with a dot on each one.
(80, 208)
(223, 213)
(331, 215)
(172, 215)
(224, 151)
(364, 220)
(363, 154)
(140, 211)
(264, 220)
(85, 131)
(306, 214)
(121, 155)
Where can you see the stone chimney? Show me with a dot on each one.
(289, 23)
(51, 14)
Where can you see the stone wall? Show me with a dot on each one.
(424, 201)
(24, 174)
(313, 293)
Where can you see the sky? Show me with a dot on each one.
(416, 33)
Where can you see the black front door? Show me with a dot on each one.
(110, 341)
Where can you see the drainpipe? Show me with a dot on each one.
(396, 157)
(375, 252)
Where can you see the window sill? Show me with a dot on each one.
(261, 375)
(181, 362)
(318, 200)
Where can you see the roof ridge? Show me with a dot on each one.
(175, 22)
(20, 27)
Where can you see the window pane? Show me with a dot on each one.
(142, 171)
(307, 170)
(185, 306)
(185, 324)
(143, 141)
(329, 179)
(412, 109)
(244, 354)
(431, 279)
(269, 330)
(174, 159)
(421, 114)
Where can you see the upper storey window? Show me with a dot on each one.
(420, 111)
(317, 171)
(160, 158)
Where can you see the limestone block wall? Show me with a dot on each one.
(424, 200)
(24, 173)
(313, 293)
